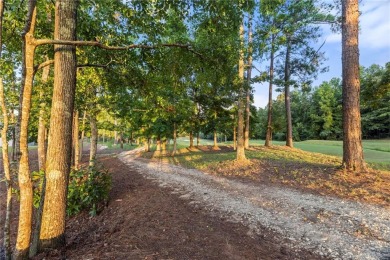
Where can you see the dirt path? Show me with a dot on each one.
(186, 214)
(329, 227)
(145, 221)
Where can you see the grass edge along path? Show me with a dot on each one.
(291, 167)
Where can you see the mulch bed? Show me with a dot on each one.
(145, 221)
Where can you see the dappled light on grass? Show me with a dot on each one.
(280, 165)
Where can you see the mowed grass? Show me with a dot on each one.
(376, 152)
(203, 156)
(281, 165)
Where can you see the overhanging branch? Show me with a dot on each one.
(117, 48)
(42, 65)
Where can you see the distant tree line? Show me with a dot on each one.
(317, 113)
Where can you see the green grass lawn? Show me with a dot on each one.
(376, 152)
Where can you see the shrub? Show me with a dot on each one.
(88, 189)
(280, 136)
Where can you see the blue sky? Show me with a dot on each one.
(374, 45)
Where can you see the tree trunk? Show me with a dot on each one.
(38, 222)
(197, 139)
(191, 139)
(24, 178)
(82, 137)
(215, 132)
(115, 132)
(353, 158)
(268, 138)
(14, 120)
(121, 137)
(148, 144)
(164, 143)
(240, 156)
(41, 161)
(5, 155)
(289, 139)
(76, 140)
(94, 139)
(249, 88)
(13, 152)
(234, 137)
(174, 139)
(42, 123)
(6, 165)
(158, 144)
(215, 140)
(60, 132)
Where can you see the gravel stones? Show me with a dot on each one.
(330, 227)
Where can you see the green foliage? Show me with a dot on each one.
(375, 100)
(325, 111)
(37, 177)
(88, 189)
(317, 113)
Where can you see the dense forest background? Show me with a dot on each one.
(317, 111)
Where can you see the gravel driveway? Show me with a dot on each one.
(330, 227)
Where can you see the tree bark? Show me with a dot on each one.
(164, 143)
(215, 139)
(41, 162)
(249, 88)
(115, 132)
(60, 133)
(6, 167)
(158, 144)
(5, 155)
(234, 137)
(121, 137)
(13, 151)
(353, 158)
(76, 140)
(82, 137)
(191, 139)
(24, 178)
(14, 120)
(148, 144)
(94, 139)
(38, 222)
(42, 123)
(289, 139)
(240, 155)
(197, 139)
(174, 139)
(268, 138)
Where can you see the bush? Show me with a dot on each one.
(88, 189)
(280, 136)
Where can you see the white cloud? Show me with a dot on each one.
(375, 24)
(260, 95)
(260, 100)
(333, 37)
